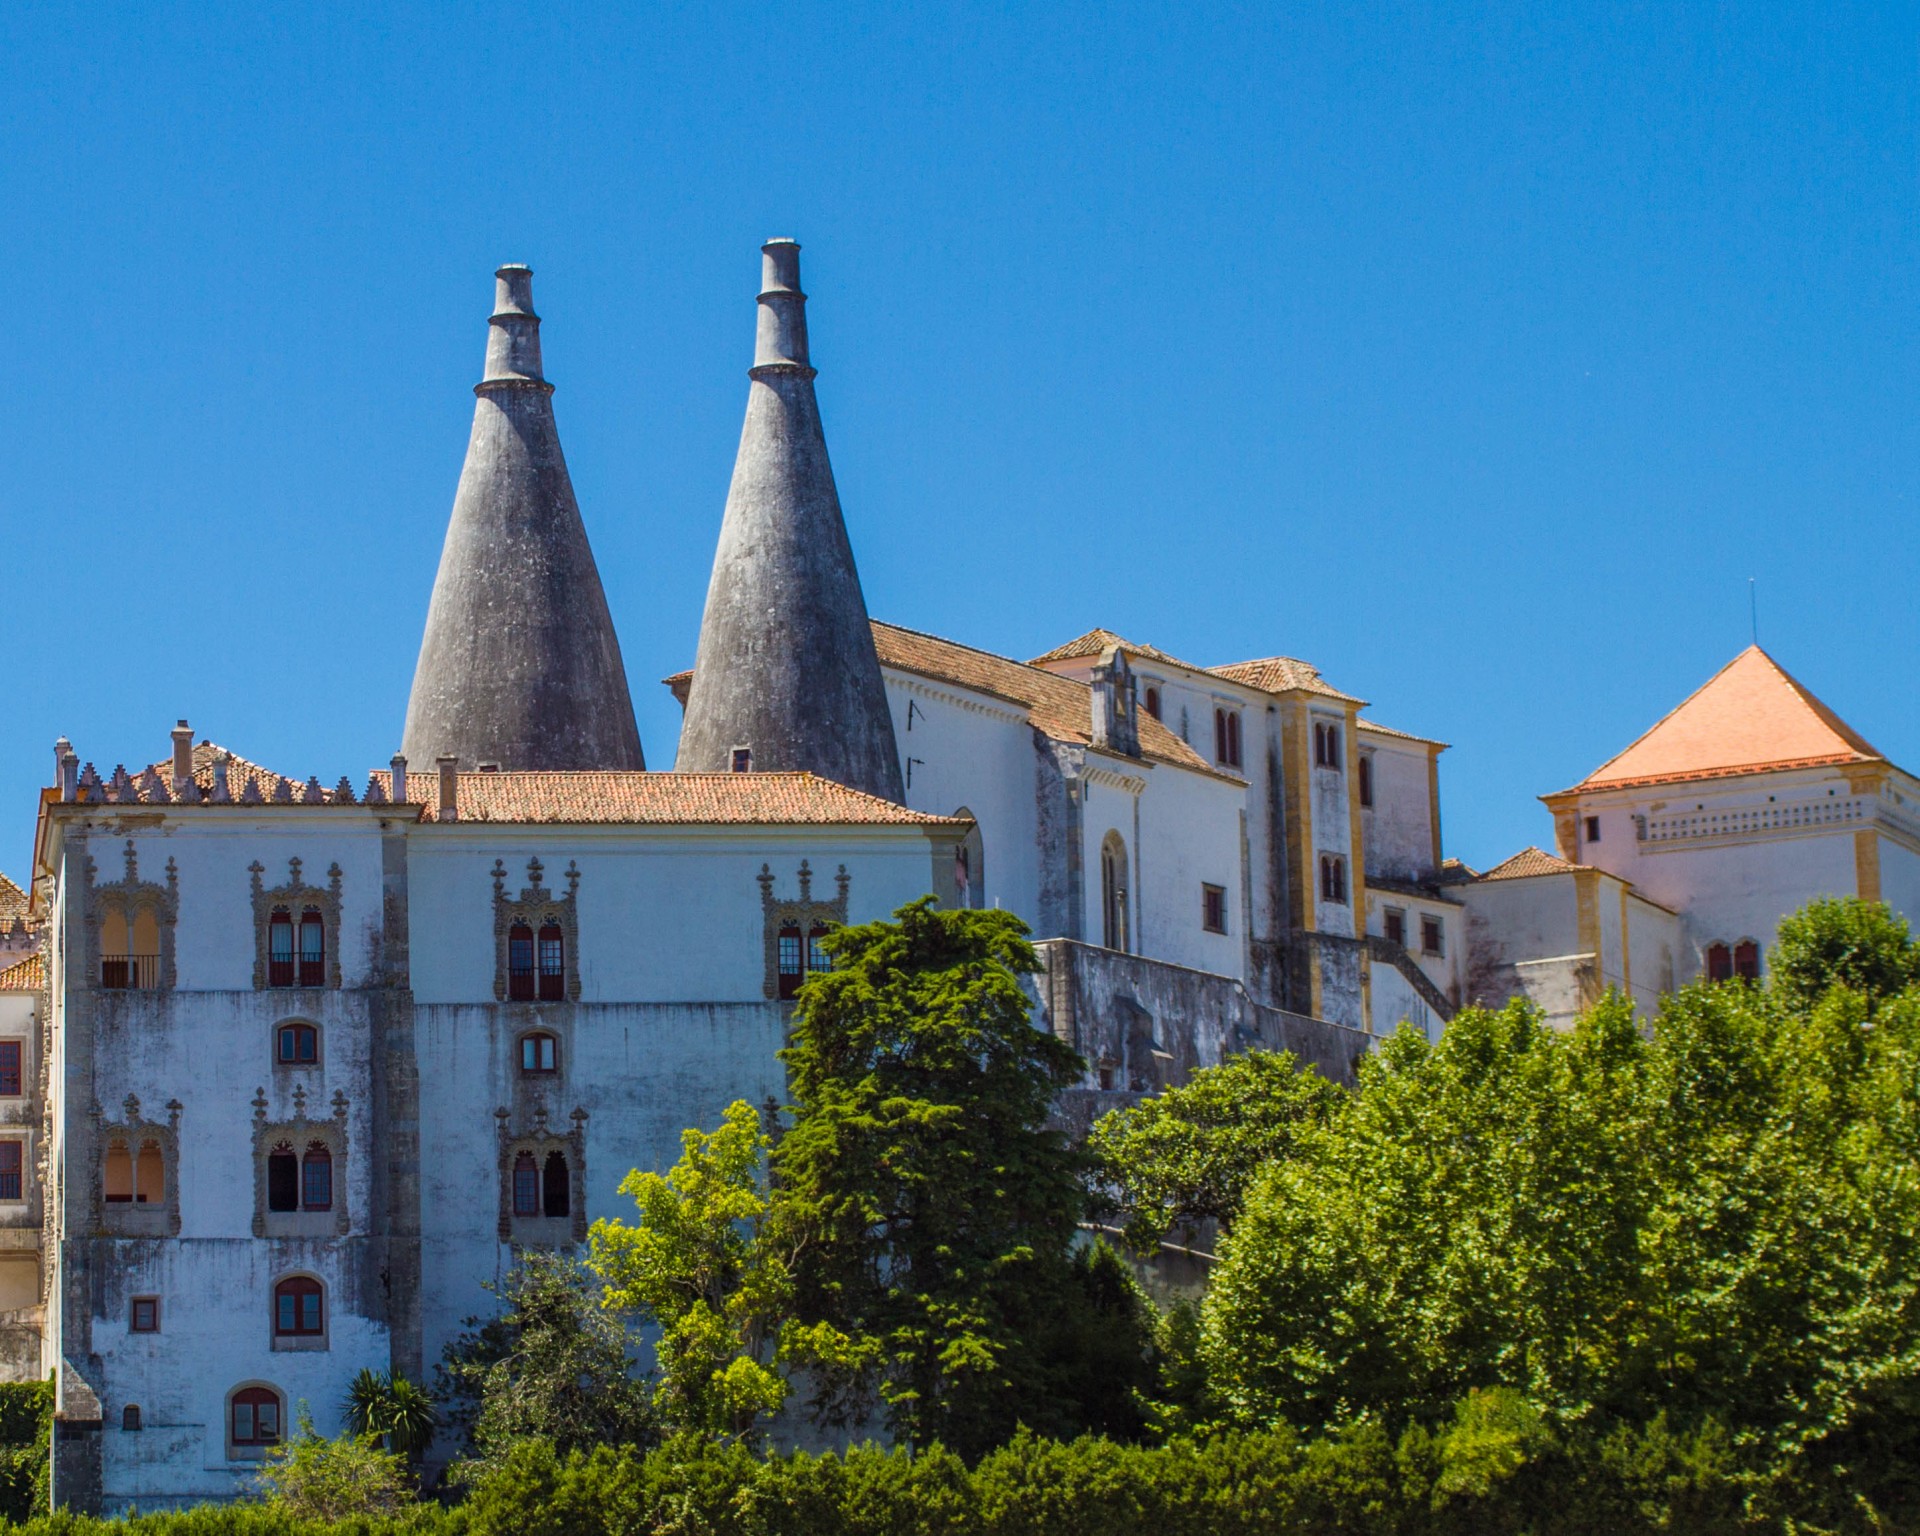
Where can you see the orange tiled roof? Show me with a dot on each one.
(1061, 707)
(1096, 642)
(1750, 716)
(28, 975)
(1386, 730)
(1282, 674)
(1529, 861)
(669, 799)
(13, 902)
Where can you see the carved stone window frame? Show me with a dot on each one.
(539, 1138)
(777, 911)
(536, 906)
(300, 1132)
(131, 894)
(115, 1220)
(295, 895)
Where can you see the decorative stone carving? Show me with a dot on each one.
(297, 1134)
(538, 1139)
(536, 906)
(298, 898)
(134, 1134)
(131, 896)
(777, 912)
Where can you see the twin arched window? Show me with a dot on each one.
(129, 947)
(1333, 878)
(296, 952)
(1326, 744)
(536, 964)
(298, 1182)
(1741, 960)
(800, 953)
(135, 1178)
(542, 1189)
(1226, 739)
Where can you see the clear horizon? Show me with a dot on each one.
(1478, 360)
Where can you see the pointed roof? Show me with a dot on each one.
(786, 667)
(1529, 861)
(1097, 642)
(1282, 674)
(13, 902)
(1752, 716)
(519, 665)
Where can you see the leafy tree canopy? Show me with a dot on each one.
(1862, 945)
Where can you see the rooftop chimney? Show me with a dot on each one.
(449, 789)
(399, 766)
(66, 768)
(182, 755)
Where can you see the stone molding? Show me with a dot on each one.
(299, 1132)
(535, 906)
(297, 897)
(132, 894)
(539, 1138)
(135, 1131)
(777, 912)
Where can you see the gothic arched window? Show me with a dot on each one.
(556, 1186)
(526, 1185)
(1719, 962)
(792, 964)
(316, 1178)
(520, 963)
(1746, 960)
(1113, 892)
(283, 1178)
(313, 949)
(280, 948)
(553, 963)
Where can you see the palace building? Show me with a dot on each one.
(289, 1071)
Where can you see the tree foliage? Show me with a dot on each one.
(1716, 1223)
(552, 1364)
(930, 1209)
(1189, 1155)
(396, 1412)
(313, 1478)
(701, 1266)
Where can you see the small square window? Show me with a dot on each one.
(743, 760)
(1430, 935)
(1593, 829)
(1213, 908)
(146, 1315)
(1396, 924)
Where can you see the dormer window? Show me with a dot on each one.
(1153, 702)
(743, 759)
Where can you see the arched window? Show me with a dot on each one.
(280, 972)
(119, 1174)
(316, 1178)
(556, 1186)
(130, 1416)
(254, 1417)
(792, 963)
(553, 964)
(520, 963)
(313, 949)
(1226, 737)
(1366, 778)
(1233, 737)
(146, 949)
(297, 1045)
(129, 947)
(1326, 744)
(526, 1185)
(1719, 962)
(283, 1178)
(299, 1308)
(1746, 960)
(817, 959)
(150, 1175)
(1113, 892)
(539, 1054)
(1153, 702)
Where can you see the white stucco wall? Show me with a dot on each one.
(1398, 827)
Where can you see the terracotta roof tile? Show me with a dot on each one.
(1751, 716)
(1096, 642)
(13, 902)
(1529, 861)
(1282, 674)
(28, 975)
(1386, 730)
(672, 799)
(1060, 707)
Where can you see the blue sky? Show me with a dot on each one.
(1479, 355)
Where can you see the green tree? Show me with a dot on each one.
(396, 1412)
(700, 1265)
(930, 1209)
(313, 1478)
(551, 1364)
(1861, 945)
(1190, 1154)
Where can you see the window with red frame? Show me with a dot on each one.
(316, 1178)
(9, 1069)
(280, 969)
(520, 963)
(12, 1178)
(254, 1417)
(539, 1054)
(1719, 963)
(299, 1309)
(792, 965)
(313, 949)
(526, 1185)
(1746, 960)
(146, 1315)
(553, 964)
(299, 1045)
(1153, 702)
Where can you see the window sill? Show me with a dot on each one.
(245, 1453)
(542, 1231)
(299, 1343)
(303, 1224)
(137, 1221)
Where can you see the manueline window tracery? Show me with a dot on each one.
(795, 930)
(296, 929)
(536, 938)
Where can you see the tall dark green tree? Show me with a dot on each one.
(931, 1209)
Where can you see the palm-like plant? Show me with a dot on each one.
(399, 1411)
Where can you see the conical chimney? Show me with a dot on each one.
(520, 665)
(786, 676)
